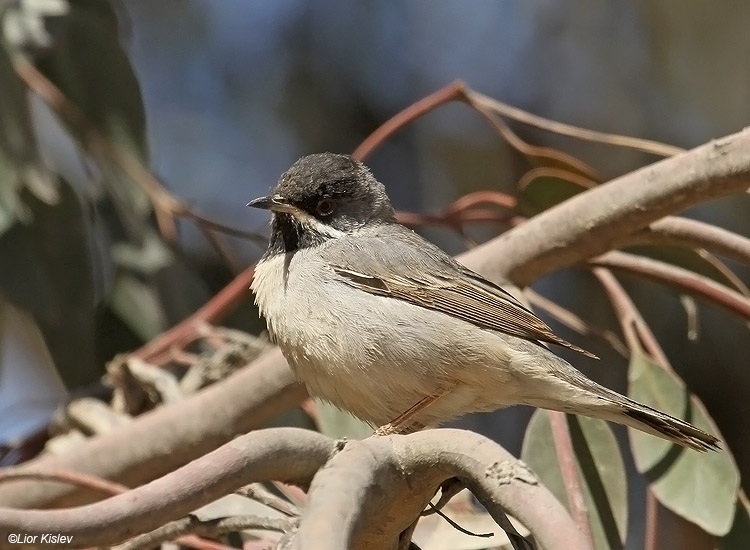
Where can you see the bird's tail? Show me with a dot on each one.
(572, 392)
(589, 398)
(644, 418)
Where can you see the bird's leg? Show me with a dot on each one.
(404, 423)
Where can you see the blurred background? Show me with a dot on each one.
(219, 98)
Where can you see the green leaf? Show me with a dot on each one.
(137, 304)
(11, 207)
(739, 537)
(336, 423)
(600, 469)
(544, 192)
(91, 69)
(47, 271)
(21, 166)
(701, 487)
(145, 258)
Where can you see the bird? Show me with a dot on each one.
(381, 323)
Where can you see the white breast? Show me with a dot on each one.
(371, 355)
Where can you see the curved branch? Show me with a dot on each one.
(168, 437)
(205, 528)
(566, 458)
(72, 477)
(287, 454)
(591, 223)
(677, 277)
(695, 234)
(639, 144)
(396, 476)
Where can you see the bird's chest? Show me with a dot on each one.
(297, 299)
(325, 331)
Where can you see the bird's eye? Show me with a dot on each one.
(325, 207)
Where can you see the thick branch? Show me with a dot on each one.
(286, 454)
(168, 437)
(580, 228)
(590, 223)
(374, 489)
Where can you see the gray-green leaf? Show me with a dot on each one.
(600, 469)
(701, 487)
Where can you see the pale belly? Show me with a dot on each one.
(376, 357)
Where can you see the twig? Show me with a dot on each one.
(459, 91)
(692, 233)
(218, 306)
(531, 152)
(584, 182)
(204, 528)
(257, 492)
(634, 327)
(652, 521)
(444, 95)
(289, 454)
(566, 458)
(630, 317)
(465, 209)
(592, 222)
(448, 489)
(722, 268)
(645, 145)
(677, 277)
(86, 481)
(457, 527)
(573, 321)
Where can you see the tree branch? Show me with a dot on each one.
(566, 457)
(677, 277)
(373, 489)
(168, 437)
(592, 222)
(205, 528)
(286, 454)
(695, 234)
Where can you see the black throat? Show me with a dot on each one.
(288, 234)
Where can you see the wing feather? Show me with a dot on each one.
(470, 298)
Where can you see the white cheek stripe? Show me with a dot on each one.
(316, 225)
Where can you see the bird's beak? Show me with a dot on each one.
(275, 203)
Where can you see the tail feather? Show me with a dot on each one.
(574, 393)
(668, 427)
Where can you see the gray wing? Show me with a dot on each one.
(397, 263)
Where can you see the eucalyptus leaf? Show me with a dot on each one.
(11, 207)
(600, 469)
(544, 192)
(87, 62)
(47, 271)
(336, 423)
(700, 487)
(21, 166)
(739, 536)
(138, 305)
(147, 258)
